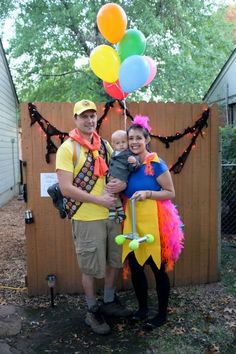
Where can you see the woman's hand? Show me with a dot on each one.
(115, 186)
(141, 195)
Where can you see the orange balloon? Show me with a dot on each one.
(112, 22)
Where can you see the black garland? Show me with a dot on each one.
(195, 130)
(48, 129)
(108, 106)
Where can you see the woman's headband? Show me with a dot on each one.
(142, 121)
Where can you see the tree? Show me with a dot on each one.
(190, 41)
(6, 6)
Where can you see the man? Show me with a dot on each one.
(97, 253)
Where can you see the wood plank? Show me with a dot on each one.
(214, 229)
(183, 268)
(204, 198)
(30, 230)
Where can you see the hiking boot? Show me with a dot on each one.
(57, 198)
(96, 322)
(115, 309)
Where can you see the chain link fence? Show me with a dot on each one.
(228, 199)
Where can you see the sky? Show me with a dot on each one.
(7, 32)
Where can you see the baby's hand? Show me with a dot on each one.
(132, 160)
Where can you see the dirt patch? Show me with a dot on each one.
(202, 319)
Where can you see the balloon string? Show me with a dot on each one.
(125, 116)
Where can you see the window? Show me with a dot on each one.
(232, 114)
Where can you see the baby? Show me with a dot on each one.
(122, 162)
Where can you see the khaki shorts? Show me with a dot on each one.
(95, 246)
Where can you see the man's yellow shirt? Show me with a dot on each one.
(64, 161)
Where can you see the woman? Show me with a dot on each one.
(152, 182)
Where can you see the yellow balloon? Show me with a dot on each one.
(105, 63)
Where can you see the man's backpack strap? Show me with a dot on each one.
(76, 152)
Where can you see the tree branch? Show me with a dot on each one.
(75, 30)
(62, 74)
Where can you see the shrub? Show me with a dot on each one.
(228, 141)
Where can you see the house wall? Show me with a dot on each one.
(9, 151)
(223, 91)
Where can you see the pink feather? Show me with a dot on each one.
(172, 237)
(142, 121)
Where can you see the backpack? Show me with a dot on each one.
(59, 201)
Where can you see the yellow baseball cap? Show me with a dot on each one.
(84, 105)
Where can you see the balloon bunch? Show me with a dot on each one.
(124, 69)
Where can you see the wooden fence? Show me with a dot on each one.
(49, 243)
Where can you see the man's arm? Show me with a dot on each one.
(65, 180)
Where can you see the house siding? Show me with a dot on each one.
(9, 150)
(223, 90)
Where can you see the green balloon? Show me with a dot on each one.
(133, 43)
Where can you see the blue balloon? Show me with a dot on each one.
(134, 72)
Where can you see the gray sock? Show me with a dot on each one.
(91, 301)
(109, 294)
